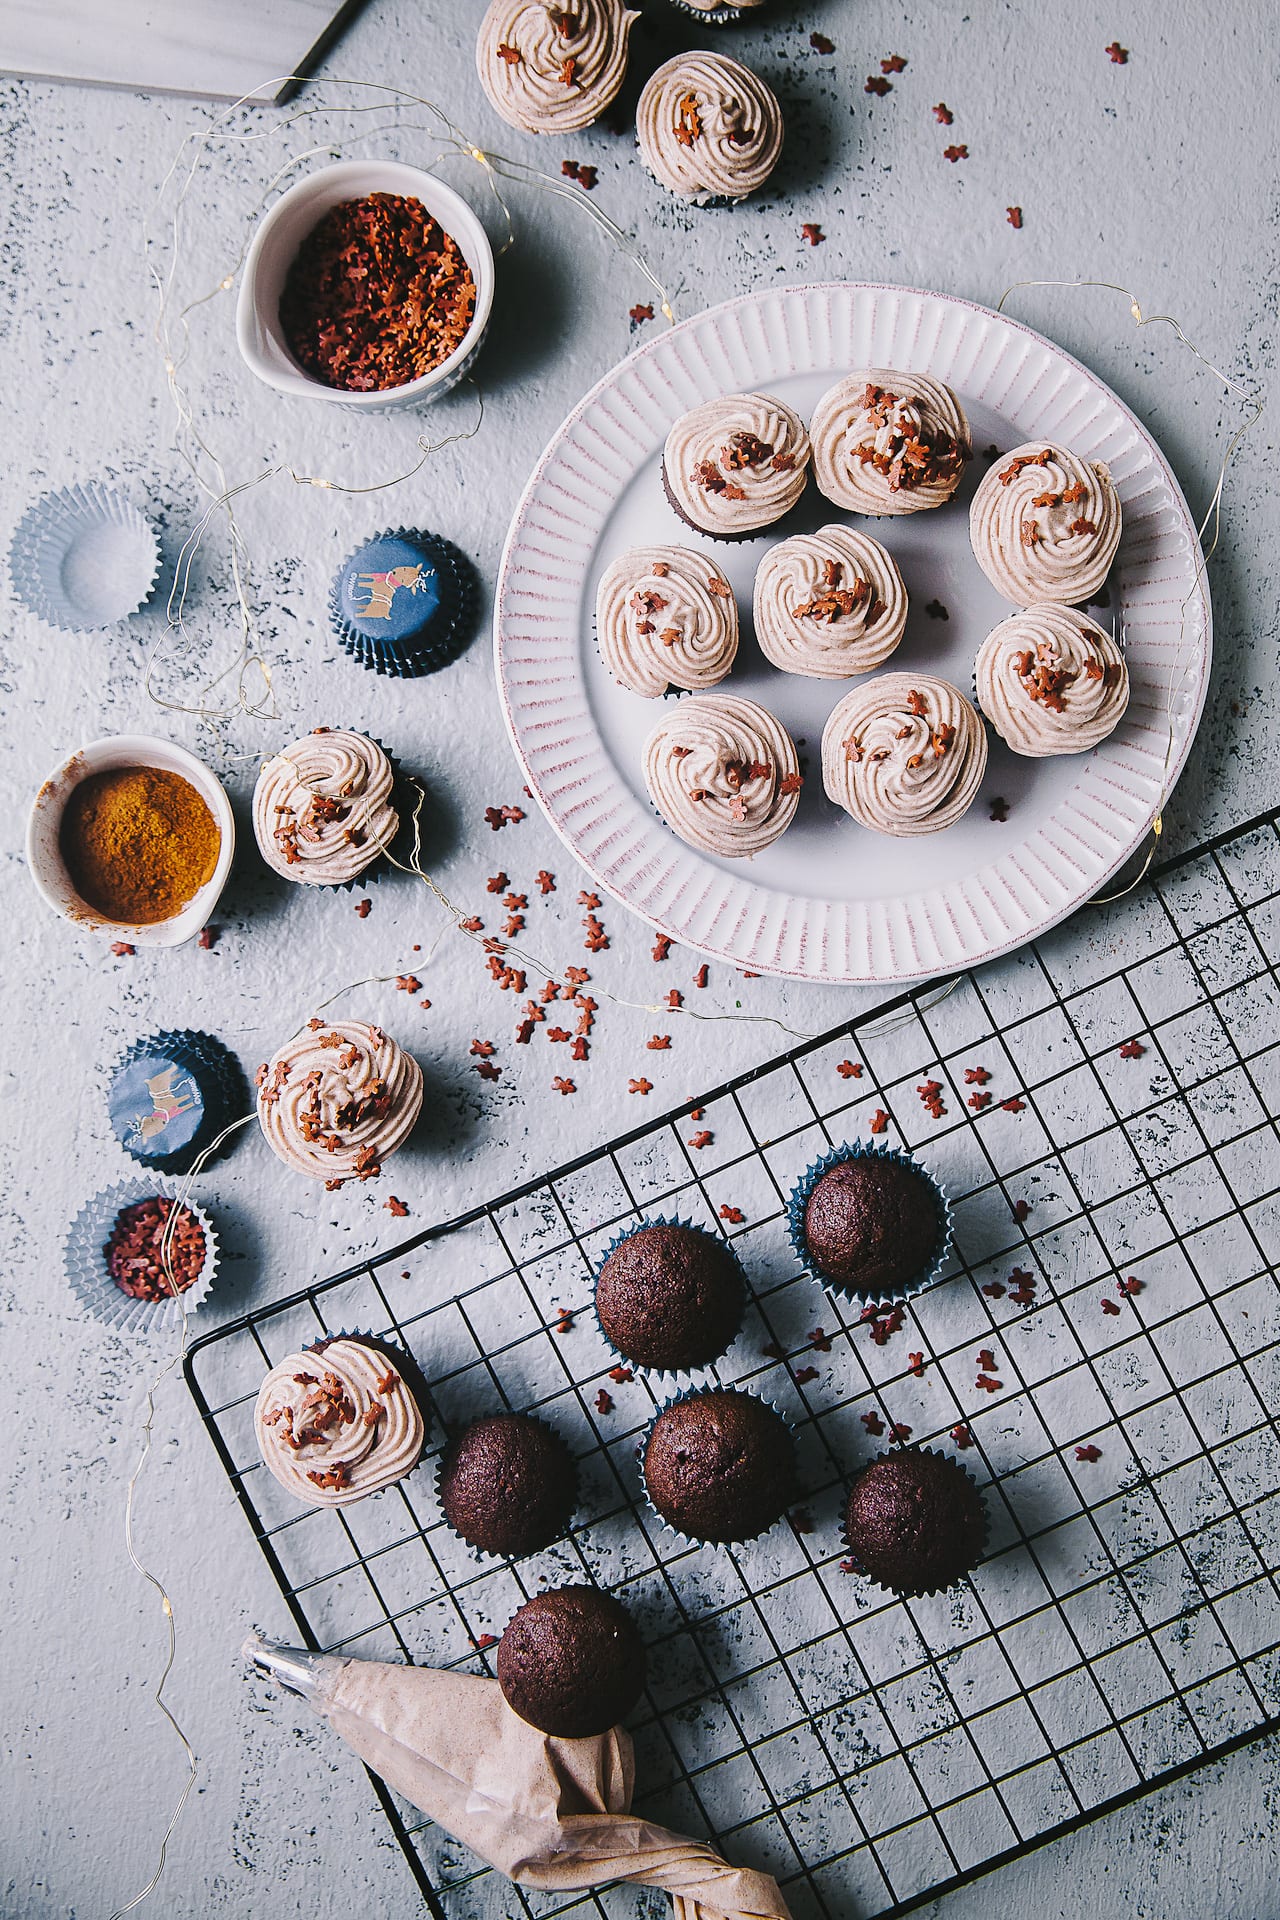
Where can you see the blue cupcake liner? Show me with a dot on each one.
(698, 1393)
(482, 1555)
(219, 1081)
(416, 653)
(856, 1150)
(85, 1265)
(919, 1593)
(83, 558)
(675, 1375)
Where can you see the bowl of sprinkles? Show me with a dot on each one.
(133, 837)
(369, 283)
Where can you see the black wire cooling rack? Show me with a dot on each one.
(1102, 1107)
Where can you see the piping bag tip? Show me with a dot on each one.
(301, 1672)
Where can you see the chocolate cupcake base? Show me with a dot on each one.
(920, 1253)
(731, 1500)
(915, 1522)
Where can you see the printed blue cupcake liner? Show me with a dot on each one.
(85, 1264)
(699, 1393)
(856, 1150)
(171, 1094)
(483, 1556)
(918, 1593)
(447, 628)
(83, 558)
(663, 1379)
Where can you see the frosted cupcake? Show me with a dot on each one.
(735, 464)
(552, 68)
(904, 754)
(889, 442)
(336, 1422)
(322, 809)
(1045, 525)
(723, 773)
(709, 129)
(1051, 680)
(666, 617)
(829, 604)
(337, 1099)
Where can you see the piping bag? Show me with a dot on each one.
(550, 1813)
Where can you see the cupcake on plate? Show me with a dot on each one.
(571, 1662)
(829, 604)
(870, 1223)
(666, 617)
(723, 773)
(735, 464)
(915, 1522)
(322, 808)
(337, 1099)
(337, 1421)
(1045, 525)
(552, 66)
(669, 1296)
(904, 754)
(508, 1484)
(719, 1465)
(1051, 680)
(885, 441)
(709, 129)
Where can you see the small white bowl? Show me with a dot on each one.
(44, 856)
(275, 246)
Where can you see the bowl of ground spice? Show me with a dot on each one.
(369, 283)
(133, 837)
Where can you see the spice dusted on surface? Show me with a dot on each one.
(377, 295)
(138, 843)
(137, 1258)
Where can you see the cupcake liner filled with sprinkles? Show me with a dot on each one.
(121, 1261)
(884, 1238)
(676, 1375)
(83, 558)
(778, 1497)
(404, 603)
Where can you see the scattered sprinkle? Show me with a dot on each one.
(658, 1043)
(700, 977)
(943, 114)
(803, 1375)
(1110, 1306)
(813, 233)
(879, 1121)
(121, 949)
(1089, 1453)
(820, 43)
(820, 1340)
(734, 1215)
(1117, 55)
(702, 1139)
(639, 1086)
(408, 983)
(662, 946)
(962, 1436)
(915, 1365)
(999, 809)
(1013, 1105)
(563, 1321)
(936, 610)
(872, 1422)
(1020, 1210)
(1130, 1286)
(876, 83)
(1132, 1050)
(849, 1069)
(955, 153)
(364, 908)
(563, 1086)
(900, 1432)
(640, 313)
(604, 1402)
(1014, 216)
(620, 1375)
(209, 937)
(396, 1207)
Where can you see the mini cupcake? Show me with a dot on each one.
(322, 808)
(904, 754)
(171, 1095)
(829, 604)
(723, 773)
(550, 68)
(337, 1099)
(735, 464)
(719, 1465)
(669, 1296)
(336, 1422)
(1045, 525)
(889, 442)
(404, 603)
(508, 1484)
(571, 1662)
(915, 1522)
(709, 129)
(870, 1223)
(666, 617)
(1051, 680)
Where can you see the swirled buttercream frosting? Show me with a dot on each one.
(666, 617)
(709, 128)
(889, 442)
(550, 69)
(723, 774)
(1051, 680)
(905, 754)
(336, 1421)
(322, 807)
(337, 1099)
(1045, 525)
(829, 604)
(736, 463)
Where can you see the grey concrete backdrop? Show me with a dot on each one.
(1158, 173)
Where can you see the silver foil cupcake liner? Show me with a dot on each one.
(799, 1199)
(83, 558)
(485, 1556)
(919, 1593)
(699, 1393)
(668, 1379)
(85, 1262)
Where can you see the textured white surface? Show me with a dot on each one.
(1122, 172)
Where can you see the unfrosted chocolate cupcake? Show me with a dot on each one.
(871, 1224)
(669, 1296)
(571, 1662)
(915, 1522)
(508, 1484)
(719, 1465)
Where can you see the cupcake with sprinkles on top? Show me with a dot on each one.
(829, 604)
(335, 1100)
(735, 464)
(336, 1421)
(322, 808)
(904, 754)
(553, 68)
(709, 129)
(1045, 525)
(723, 773)
(1051, 680)
(666, 617)
(889, 442)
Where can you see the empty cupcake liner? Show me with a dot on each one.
(698, 1393)
(415, 654)
(483, 1556)
(799, 1199)
(83, 558)
(85, 1265)
(664, 1379)
(143, 1108)
(920, 1593)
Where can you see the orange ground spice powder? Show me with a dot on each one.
(138, 843)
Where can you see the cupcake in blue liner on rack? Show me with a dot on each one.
(404, 603)
(669, 1296)
(718, 1465)
(915, 1521)
(870, 1222)
(508, 1484)
(140, 1256)
(171, 1095)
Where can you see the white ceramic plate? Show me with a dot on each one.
(832, 901)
